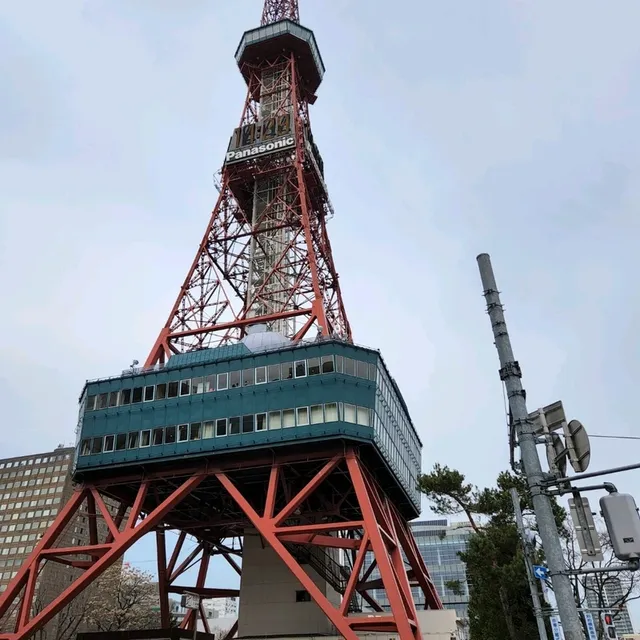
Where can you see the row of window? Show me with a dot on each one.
(28, 472)
(300, 416)
(23, 538)
(232, 380)
(13, 551)
(13, 562)
(25, 526)
(33, 482)
(22, 515)
(8, 575)
(31, 461)
(29, 492)
(396, 437)
(9, 506)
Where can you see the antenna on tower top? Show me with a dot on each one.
(275, 10)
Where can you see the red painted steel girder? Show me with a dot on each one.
(380, 531)
(299, 288)
(275, 10)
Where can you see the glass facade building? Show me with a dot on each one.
(440, 544)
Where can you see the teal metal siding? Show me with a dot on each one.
(281, 395)
(359, 379)
(227, 364)
(229, 443)
(204, 356)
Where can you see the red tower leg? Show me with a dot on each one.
(313, 500)
(163, 583)
(378, 534)
(191, 619)
(104, 555)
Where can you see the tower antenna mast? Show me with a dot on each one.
(275, 10)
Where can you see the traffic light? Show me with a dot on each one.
(608, 626)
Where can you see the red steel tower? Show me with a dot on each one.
(326, 500)
(265, 257)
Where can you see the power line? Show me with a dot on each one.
(616, 437)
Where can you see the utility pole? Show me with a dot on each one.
(511, 374)
(535, 597)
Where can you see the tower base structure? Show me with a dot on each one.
(320, 513)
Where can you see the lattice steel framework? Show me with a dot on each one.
(275, 10)
(265, 256)
(298, 503)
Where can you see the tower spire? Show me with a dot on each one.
(275, 10)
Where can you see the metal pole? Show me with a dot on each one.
(510, 373)
(195, 621)
(595, 474)
(533, 586)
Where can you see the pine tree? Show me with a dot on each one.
(500, 604)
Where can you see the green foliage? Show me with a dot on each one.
(447, 491)
(455, 586)
(500, 601)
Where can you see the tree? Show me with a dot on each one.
(500, 601)
(610, 591)
(218, 633)
(64, 625)
(124, 598)
(67, 623)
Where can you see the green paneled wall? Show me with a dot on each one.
(286, 394)
(355, 379)
(228, 443)
(280, 356)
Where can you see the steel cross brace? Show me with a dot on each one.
(103, 555)
(379, 530)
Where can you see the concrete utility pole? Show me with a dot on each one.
(510, 373)
(533, 586)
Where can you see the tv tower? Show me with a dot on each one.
(255, 427)
(265, 257)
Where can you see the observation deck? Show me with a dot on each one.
(231, 401)
(269, 41)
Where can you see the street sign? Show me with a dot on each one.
(577, 442)
(549, 418)
(556, 628)
(557, 454)
(540, 572)
(591, 626)
(586, 533)
(546, 421)
(190, 601)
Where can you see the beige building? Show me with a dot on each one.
(33, 489)
(273, 602)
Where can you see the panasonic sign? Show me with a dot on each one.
(259, 149)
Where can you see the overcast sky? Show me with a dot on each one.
(447, 129)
